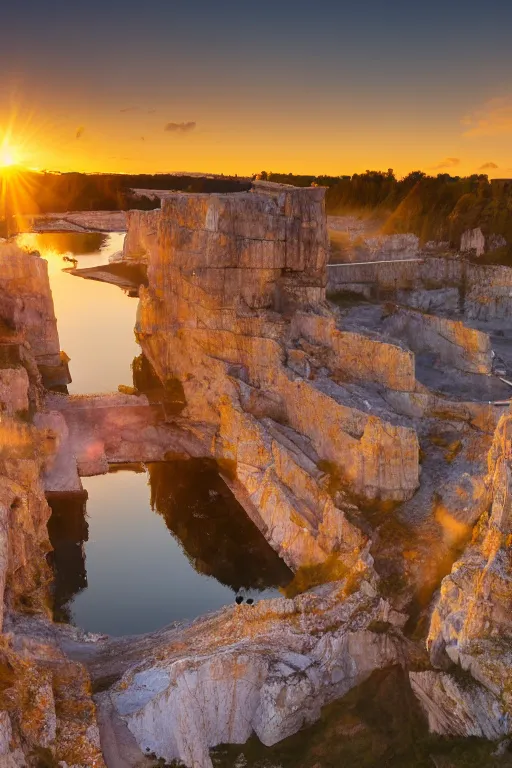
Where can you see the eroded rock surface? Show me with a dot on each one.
(228, 277)
(267, 669)
(470, 626)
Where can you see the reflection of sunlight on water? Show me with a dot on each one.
(95, 320)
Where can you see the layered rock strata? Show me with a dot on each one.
(267, 669)
(470, 625)
(46, 710)
(228, 277)
(27, 308)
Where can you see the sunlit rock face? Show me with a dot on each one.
(228, 277)
(266, 669)
(45, 703)
(27, 308)
(46, 711)
(24, 573)
(451, 341)
(471, 623)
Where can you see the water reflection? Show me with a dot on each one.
(95, 320)
(217, 535)
(68, 530)
(139, 577)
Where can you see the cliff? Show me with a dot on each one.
(46, 710)
(27, 308)
(231, 279)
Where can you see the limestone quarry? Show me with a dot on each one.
(358, 411)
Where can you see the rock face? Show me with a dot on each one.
(27, 306)
(437, 283)
(232, 279)
(453, 343)
(473, 240)
(471, 624)
(46, 710)
(458, 707)
(266, 669)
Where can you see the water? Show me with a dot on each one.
(95, 320)
(158, 544)
(153, 544)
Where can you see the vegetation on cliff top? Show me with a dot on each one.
(438, 207)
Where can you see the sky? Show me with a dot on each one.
(316, 86)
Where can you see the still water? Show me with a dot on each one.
(156, 544)
(95, 320)
(152, 544)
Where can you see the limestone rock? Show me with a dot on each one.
(473, 240)
(264, 669)
(471, 625)
(451, 341)
(14, 387)
(234, 283)
(458, 707)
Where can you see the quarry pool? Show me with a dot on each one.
(95, 320)
(155, 544)
(151, 544)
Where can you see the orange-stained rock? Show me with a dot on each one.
(234, 282)
(471, 624)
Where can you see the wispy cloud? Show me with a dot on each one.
(80, 132)
(494, 118)
(446, 163)
(488, 167)
(180, 127)
(135, 108)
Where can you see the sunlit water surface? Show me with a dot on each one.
(95, 320)
(153, 544)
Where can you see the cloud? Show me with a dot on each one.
(80, 132)
(137, 109)
(447, 162)
(180, 127)
(494, 118)
(488, 167)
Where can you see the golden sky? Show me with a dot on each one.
(316, 88)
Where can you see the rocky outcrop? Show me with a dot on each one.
(488, 292)
(356, 354)
(27, 307)
(45, 703)
(459, 706)
(228, 277)
(453, 343)
(387, 247)
(470, 625)
(266, 669)
(473, 240)
(90, 432)
(374, 280)
(46, 709)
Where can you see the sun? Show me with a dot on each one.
(8, 156)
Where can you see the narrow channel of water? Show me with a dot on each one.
(95, 320)
(156, 544)
(152, 544)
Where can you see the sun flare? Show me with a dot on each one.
(8, 156)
